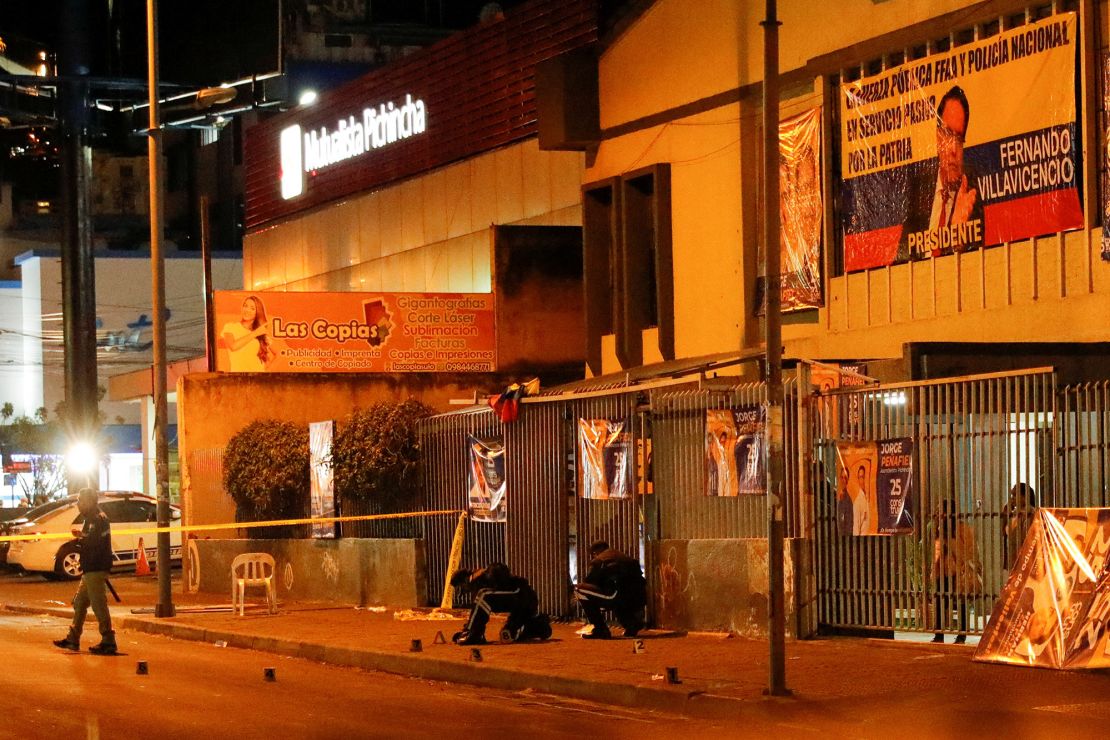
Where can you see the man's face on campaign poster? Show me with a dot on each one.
(951, 128)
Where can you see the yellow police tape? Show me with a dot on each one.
(236, 525)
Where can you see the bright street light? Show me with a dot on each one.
(81, 459)
(308, 97)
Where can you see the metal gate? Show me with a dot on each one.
(549, 528)
(974, 439)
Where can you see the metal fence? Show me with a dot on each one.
(1083, 445)
(443, 442)
(974, 439)
(548, 527)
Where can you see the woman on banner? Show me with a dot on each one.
(957, 572)
(247, 340)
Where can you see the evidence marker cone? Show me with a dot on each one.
(142, 567)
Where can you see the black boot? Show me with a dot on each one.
(107, 645)
(67, 644)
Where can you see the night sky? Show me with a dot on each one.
(203, 42)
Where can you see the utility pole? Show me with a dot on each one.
(78, 269)
(772, 268)
(209, 307)
(164, 607)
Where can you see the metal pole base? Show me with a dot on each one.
(778, 692)
(164, 610)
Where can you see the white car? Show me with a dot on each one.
(59, 558)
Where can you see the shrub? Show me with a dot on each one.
(266, 474)
(376, 454)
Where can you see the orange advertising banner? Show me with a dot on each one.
(354, 332)
(1054, 611)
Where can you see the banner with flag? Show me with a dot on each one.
(964, 149)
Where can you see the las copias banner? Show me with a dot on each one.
(354, 332)
(1054, 611)
(964, 149)
(486, 479)
(874, 480)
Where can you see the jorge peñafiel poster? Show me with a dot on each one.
(735, 451)
(964, 149)
(874, 482)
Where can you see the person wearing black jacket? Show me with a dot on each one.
(95, 546)
(615, 582)
(498, 591)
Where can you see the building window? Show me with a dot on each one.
(629, 282)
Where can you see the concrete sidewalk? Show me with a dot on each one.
(720, 676)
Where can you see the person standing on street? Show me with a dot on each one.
(615, 582)
(95, 546)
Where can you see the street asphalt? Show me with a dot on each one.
(845, 687)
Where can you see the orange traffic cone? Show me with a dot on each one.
(142, 567)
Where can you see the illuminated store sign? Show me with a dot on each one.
(317, 149)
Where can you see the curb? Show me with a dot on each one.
(677, 700)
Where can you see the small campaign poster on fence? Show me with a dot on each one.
(874, 480)
(321, 482)
(1054, 611)
(486, 479)
(735, 444)
(604, 459)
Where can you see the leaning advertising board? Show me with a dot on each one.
(1054, 611)
(964, 149)
(354, 332)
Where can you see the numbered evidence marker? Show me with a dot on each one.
(476, 655)
(416, 646)
(638, 647)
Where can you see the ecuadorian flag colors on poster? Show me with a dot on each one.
(1020, 148)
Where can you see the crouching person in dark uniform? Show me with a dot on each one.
(614, 582)
(498, 591)
(95, 546)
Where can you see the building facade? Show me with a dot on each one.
(680, 96)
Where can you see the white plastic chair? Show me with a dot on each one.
(253, 569)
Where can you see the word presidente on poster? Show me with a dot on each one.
(873, 483)
(354, 332)
(964, 149)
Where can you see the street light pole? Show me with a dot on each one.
(776, 463)
(164, 607)
(78, 270)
